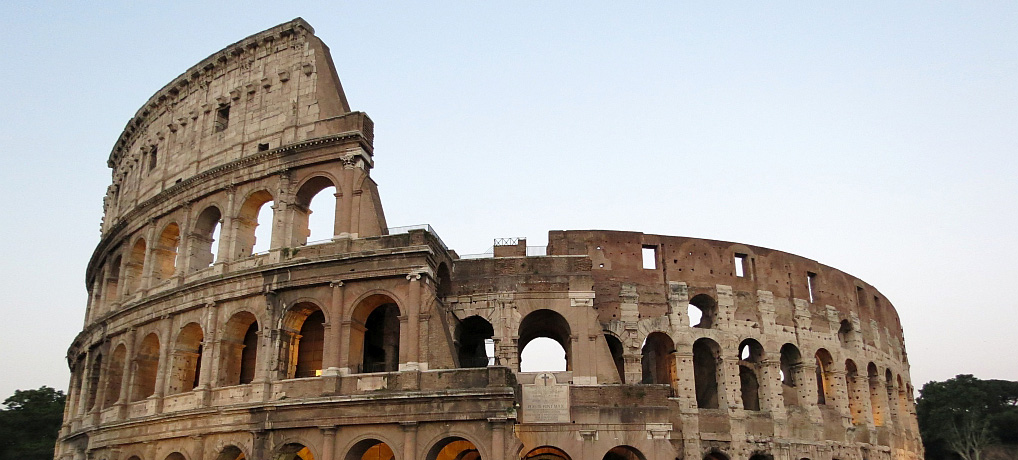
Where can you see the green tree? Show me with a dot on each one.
(966, 416)
(29, 424)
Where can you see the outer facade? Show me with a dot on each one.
(382, 343)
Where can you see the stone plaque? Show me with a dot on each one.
(546, 401)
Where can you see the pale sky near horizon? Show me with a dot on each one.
(879, 138)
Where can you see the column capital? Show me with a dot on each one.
(336, 284)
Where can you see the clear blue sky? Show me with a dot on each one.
(876, 137)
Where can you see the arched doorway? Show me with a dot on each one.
(547, 453)
(370, 449)
(623, 453)
(454, 448)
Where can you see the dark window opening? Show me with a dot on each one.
(474, 338)
(153, 158)
(811, 282)
(222, 118)
(740, 265)
(263, 147)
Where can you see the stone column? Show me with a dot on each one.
(328, 443)
(344, 202)
(409, 439)
(146, 269)
(164, 364)
(497, 438)
(209, 367)
(773, 398)
(228, 231)
(333, 347)
(839, 393)
(127, 378)
(685, 377)
(410, 342)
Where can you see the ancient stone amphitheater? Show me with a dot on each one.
(382, 343)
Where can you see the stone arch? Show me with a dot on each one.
(547, 453)
(175, 456)
(545, 323)
(302, 340)
(658, 359)
(617, 351)
(751, 355)
(443, 280)
(203, 246)
(294, 450)
(825, 389)
(164, 253)
(186, 359)
(115, 375)
(761, 456)
(454, 448)
(374, 334)
(791, 374)
(706, 356)
(238, 349)
(473, 336)
(146, 365)
(370, 449)
(231, 452)
(707, 308)
(624, 453)
(135, 268)
(715, 455)
(308, 192)
(248, 221)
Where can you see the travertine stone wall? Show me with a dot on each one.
(382, 343)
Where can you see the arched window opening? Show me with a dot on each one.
(845, 332)
(112, 281)
(455, 448)
(115, 376)
(293, 451)
(239, 350)
(658, 359)
(254, 224)
(791, 367)
(146, 364)
(715, 456)
(891, 395)
(544, 343)
(702, 311)
(186, 359)
(855, 393)
(824, 361)
(475, 343)
(165, 253)
(761, 456)
(231, 453)
(623, 453)
(370, 449)
(374, 337)
(750, 357)
(135, 267)
(93, 382)
(314, 213)
(175, 456)
(616, 349)
(444, 282)
(205, 239)
(547, 453)
(877, 404)
(303, 341)
(706, 355)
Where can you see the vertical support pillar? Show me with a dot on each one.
(328, 443)
(127, 378)
(146, 270)
(228, 231)
(84, 385)
(164, 364)
(333, 345)
(344, 203)
(410, 342)
(497, 438)
(210, 350)
(409, 439)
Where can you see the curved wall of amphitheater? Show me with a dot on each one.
(382, 343)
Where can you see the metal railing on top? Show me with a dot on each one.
(427, 227)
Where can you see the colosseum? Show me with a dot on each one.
(203, 341)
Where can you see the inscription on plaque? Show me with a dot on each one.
(546, 401)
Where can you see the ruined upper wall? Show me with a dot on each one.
(271, 89)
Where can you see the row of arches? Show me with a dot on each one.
(148, 369)
(188, 244)
(449, 448)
